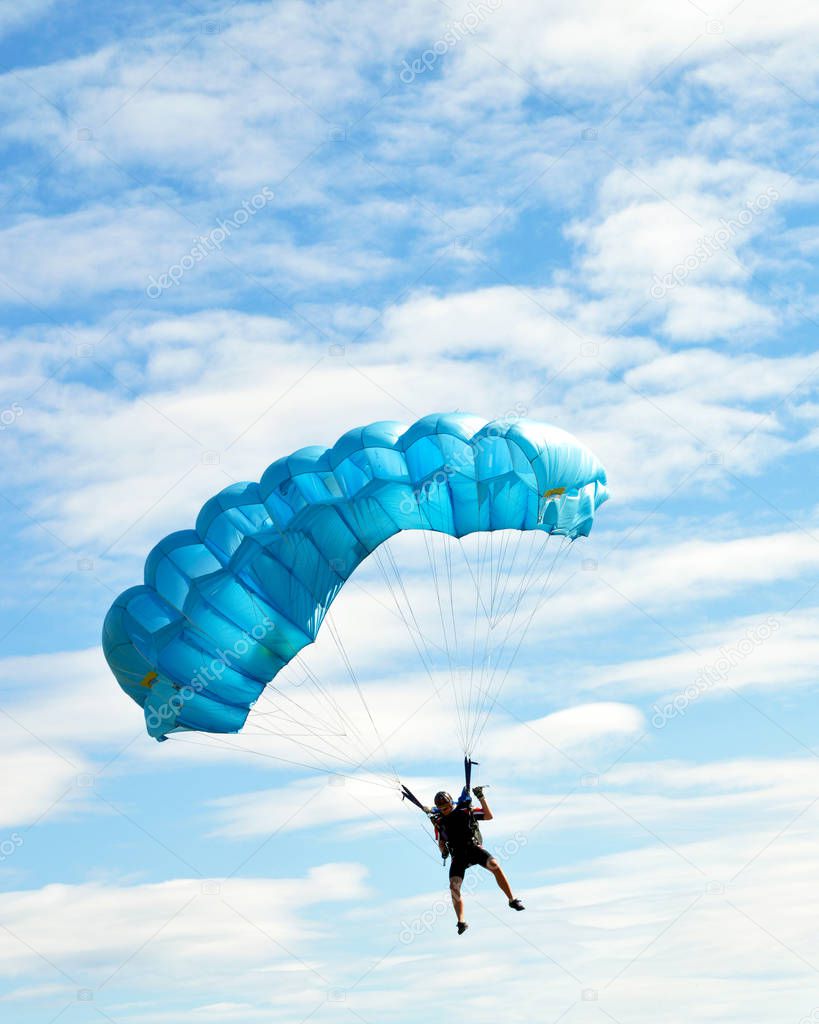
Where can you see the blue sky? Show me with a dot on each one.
(603, 215)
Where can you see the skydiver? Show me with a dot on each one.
(457, 832)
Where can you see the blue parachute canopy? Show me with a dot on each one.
(226, 606)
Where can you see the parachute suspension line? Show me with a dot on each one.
(541, 582)
(479, 603)
(500, 582)
(467, 678)
(218, 740)
(430, 550)
(327, 748)
(486, 653)
(532, 568)
(341, 758)
(485, 543)
(352, 759)
(331, 730)
(334, 633)
(493, 564)
(321, 691)
(448, 559)
(431, 540)
(433, 569)
(345, 718)
(490, 695)
(486, 568)
(562, 555)
(264, 720)
(322, 695)
(311, 678)
(509, 570)
(394, 581)
(455, 672)
(294, 739)
(459, 668)
(332, 748)
(393, 578)
(429, 644)
(326, 694)
(493, 652)
(413, 627)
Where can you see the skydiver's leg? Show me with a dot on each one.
(503, 882)
(457, 870)
(457, 899)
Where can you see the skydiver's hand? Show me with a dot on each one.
(444, 855)
(478, 791)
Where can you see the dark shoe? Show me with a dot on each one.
(462, 926)
(516, 905)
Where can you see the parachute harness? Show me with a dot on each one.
(463, 803)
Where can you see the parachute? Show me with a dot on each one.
(227, 606)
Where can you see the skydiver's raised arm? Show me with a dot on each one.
(487, 812)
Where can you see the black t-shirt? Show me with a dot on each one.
(455, 828)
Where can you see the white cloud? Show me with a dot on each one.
(49, 780)
(94, 931)
(668, 574)
(553, 740)
(56, 735)
(763, 651)
(12, 18)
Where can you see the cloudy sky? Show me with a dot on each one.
(231, 230)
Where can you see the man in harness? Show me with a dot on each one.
(458, 835)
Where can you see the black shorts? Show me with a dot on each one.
(463, 859)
